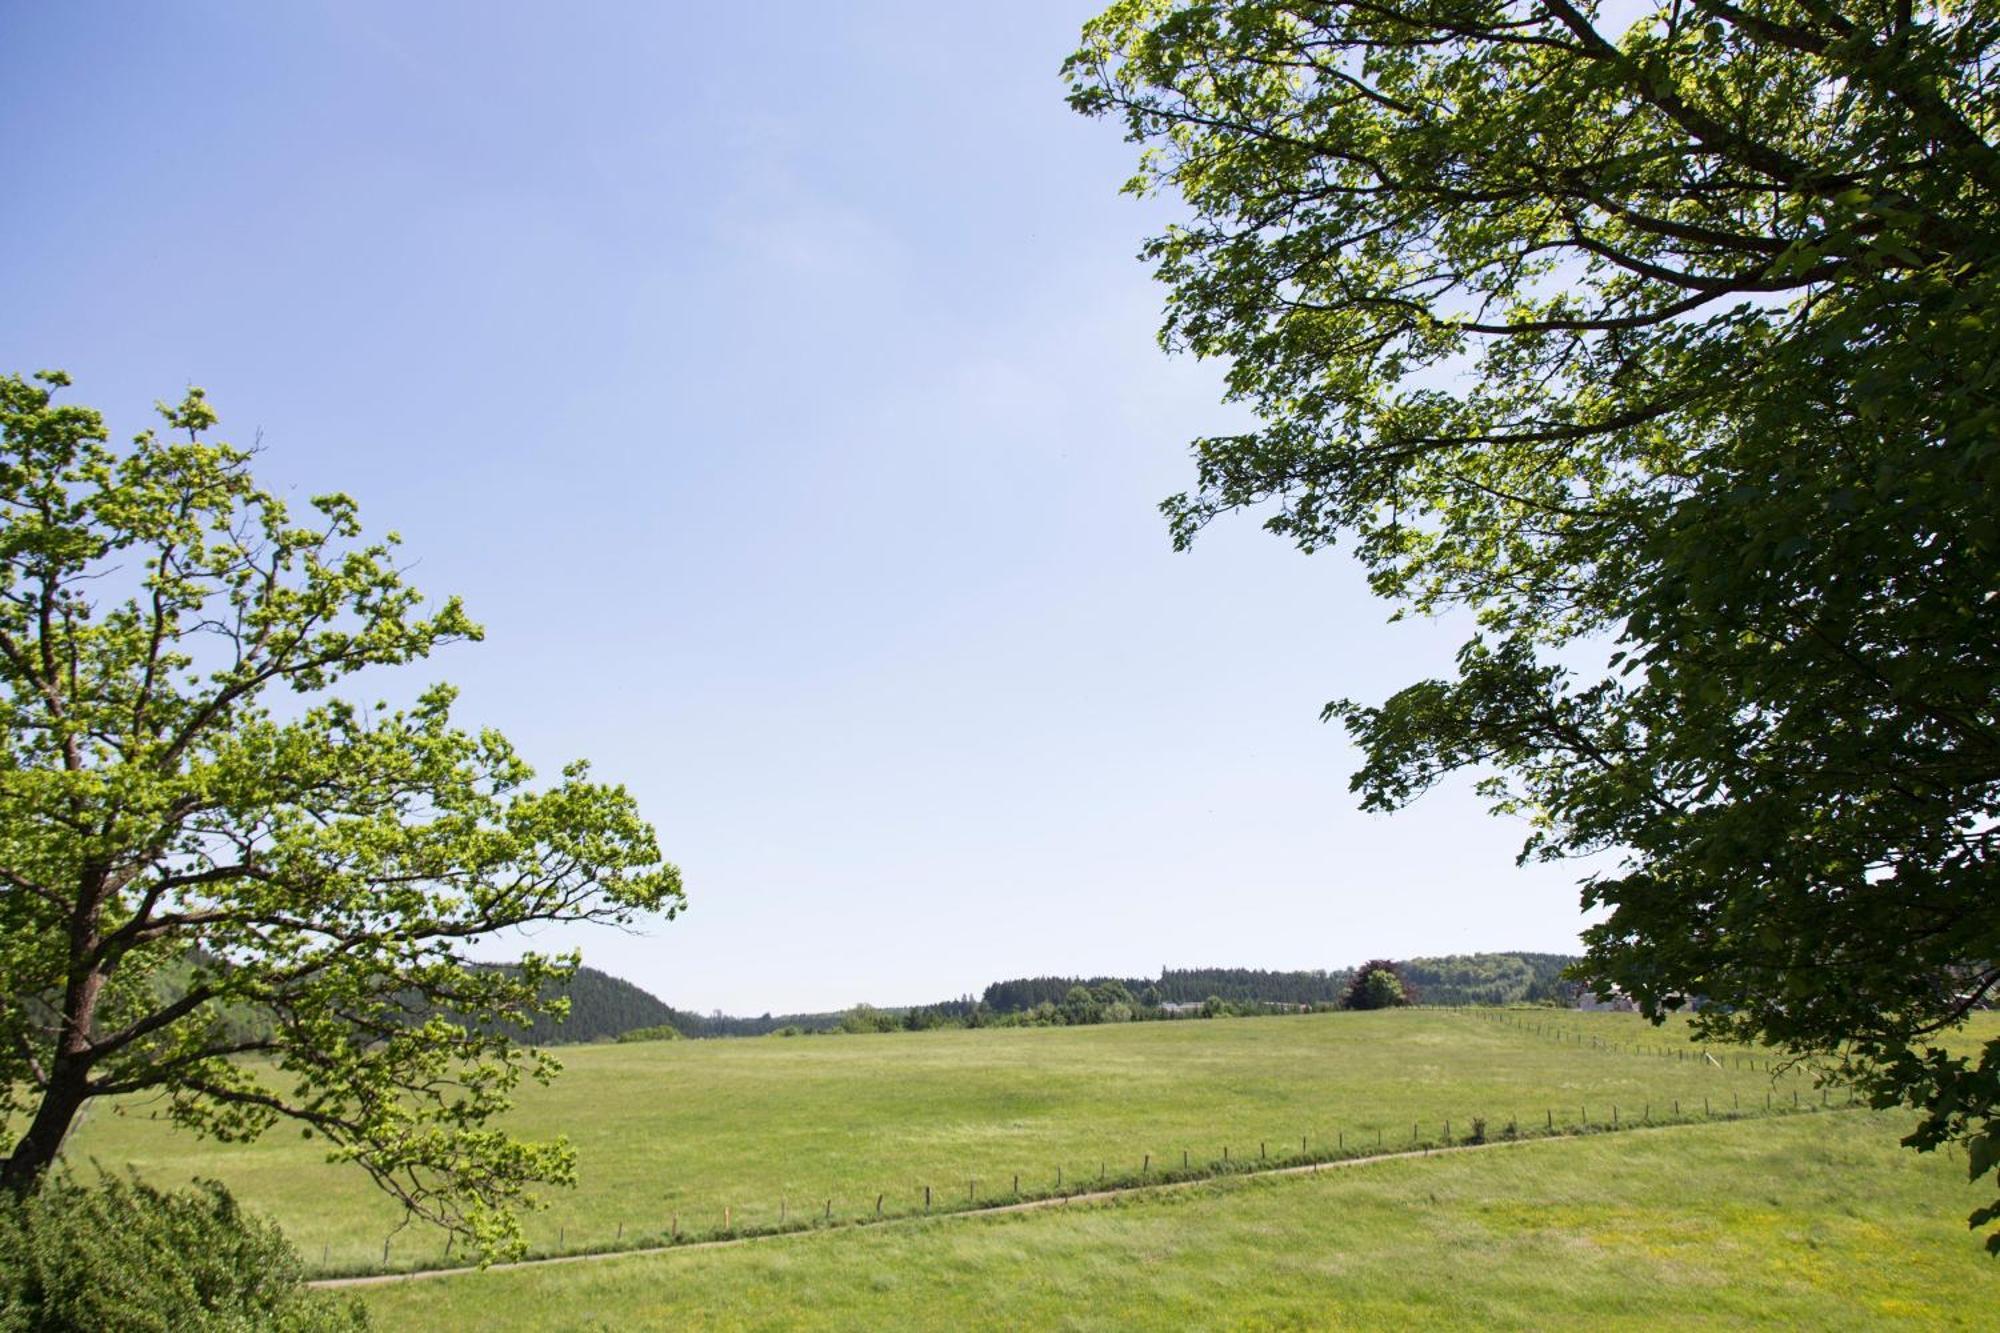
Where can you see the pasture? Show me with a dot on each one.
(1813, 1221)
(709, 1136)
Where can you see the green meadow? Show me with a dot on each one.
(703, 1135)
(1813, 1221)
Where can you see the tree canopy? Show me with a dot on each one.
(185, 795)
(1668, 350)
(1378, 984)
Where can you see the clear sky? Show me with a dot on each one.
(777, 384)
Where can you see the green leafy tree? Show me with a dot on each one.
(184, 795)
(866, 1018)
(1672, 344)
(1378, 984)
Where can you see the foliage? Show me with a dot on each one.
(122, 1257)
(863, 1018)
(182, 790)
(1678, 340)
(1378, 984)
(1481, 978)
(658, 1032)
(962, 1012)
(1489, 978)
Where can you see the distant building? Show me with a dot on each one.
(1179, 1009)
(1614, 1003)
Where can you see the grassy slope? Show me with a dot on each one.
(692, 1127)
(1810, 1221)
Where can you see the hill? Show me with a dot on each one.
(603, 1007)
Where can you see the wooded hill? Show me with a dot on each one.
(603, 1007)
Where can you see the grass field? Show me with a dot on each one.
(690, 1129)
(1814, 1221)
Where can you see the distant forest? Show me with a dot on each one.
(1481, 978)
(603, 1007)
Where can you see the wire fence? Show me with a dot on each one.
(1184, 1164)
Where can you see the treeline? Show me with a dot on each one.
(607, 1008)
(1492, 978)
(603, 1007)
(1187, 985)
(1483, 978)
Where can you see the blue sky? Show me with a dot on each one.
(777, 385)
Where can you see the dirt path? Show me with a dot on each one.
(989, 1210)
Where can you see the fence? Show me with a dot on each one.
(970, 1194)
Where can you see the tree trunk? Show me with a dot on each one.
(68, 1086)
(37, 1150)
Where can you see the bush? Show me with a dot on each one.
(658, 1032)
(863, 1018)
(121, 1257)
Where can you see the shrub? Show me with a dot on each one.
(658, 1032)
(863, 1018)
(122, 1257)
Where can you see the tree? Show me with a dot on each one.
(1378, 984)
(1670, 354)
(866, 1018)
(207, 854)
